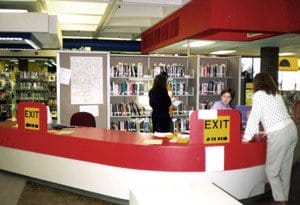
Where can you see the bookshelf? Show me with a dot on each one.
(6, 96)
(214, 74)
(131, 78)
(37, 87)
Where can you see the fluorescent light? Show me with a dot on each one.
(76, 7)
(13, 11)
(222, 52)
(287, 54)
(10, 39)
(79, 19)
(194, 44)
(78, 37)
(32, 44)
(112, 38)
(78, 27)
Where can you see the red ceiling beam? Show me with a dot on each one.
(234, 20)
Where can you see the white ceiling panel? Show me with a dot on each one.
(144, 22)
(134, 30)
(139, 11)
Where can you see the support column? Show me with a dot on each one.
(269, 61)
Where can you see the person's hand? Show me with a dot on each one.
(246, 139)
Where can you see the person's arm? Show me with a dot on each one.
(254, 119)
(217, 105)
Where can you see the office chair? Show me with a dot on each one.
(83, 119)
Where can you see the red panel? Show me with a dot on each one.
(226, 20)
(191, 20)
(250, 15)
(294, 6)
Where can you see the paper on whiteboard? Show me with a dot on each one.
(64, 76)
(93, 109)
(86, 80)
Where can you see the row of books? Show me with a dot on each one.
(127, 88)
(180, 125)
(213, 70)
(212, 87)
(179, 87)
(32, 85)
(145, 125)
(40, 96)
(126, 109)
(205, 105)
(133, 125)
(127, 70)
(31, 75)
(174, 70)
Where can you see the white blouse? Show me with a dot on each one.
(270, 110)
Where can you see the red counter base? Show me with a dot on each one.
(110, 162)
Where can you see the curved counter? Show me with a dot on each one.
(109, 162)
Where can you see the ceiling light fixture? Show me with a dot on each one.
(286, 54)
(79, 19)
(13, 11)
(222, 52)
(195, 44)
(76, 7)
(10, 39)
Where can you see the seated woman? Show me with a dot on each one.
(227, 94)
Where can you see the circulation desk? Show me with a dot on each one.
(109, 162)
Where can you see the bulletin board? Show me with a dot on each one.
(82, 85)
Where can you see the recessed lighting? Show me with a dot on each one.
(222, 52)
(286, 54)
(79, 19)
(10, 39)
(79, 27)
(13, 11)
(194, 44)
(76, 7)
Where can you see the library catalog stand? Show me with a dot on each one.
(111, 162)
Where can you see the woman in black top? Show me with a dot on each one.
(160, 102)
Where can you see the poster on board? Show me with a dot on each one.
(86, 80)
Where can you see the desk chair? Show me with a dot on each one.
(83, 119)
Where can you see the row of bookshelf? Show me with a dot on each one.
(180, 124)
(32, 85)
(212, 87)
(213, 70)
(174, 70)
(127, 70)
(127, 88)
(196, 81)
(30, 75)
(127, 109)
(133, 125)
(145, 125)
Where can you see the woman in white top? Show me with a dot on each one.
(268, 108)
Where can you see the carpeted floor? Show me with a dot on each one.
(38, 194)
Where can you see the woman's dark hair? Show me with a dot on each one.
(228, 90)
(160, 82)
(265, 82)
